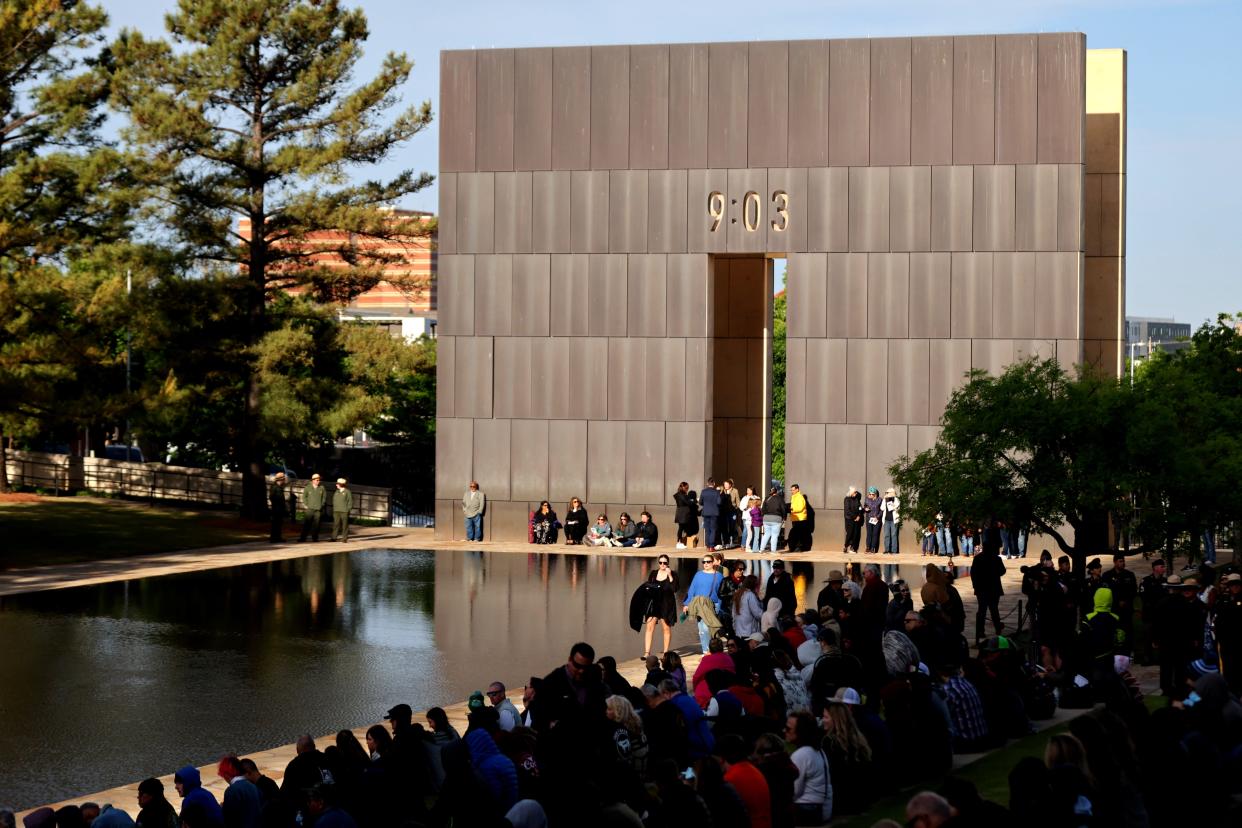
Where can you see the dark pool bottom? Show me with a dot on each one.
(107, 684)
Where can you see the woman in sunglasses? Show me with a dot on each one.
(662, 605)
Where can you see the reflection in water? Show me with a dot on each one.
(107, 684)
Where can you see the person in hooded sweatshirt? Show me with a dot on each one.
(1100, 637)
(495, 769)
(156, 811)
(193, 797)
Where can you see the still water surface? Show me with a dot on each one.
(104, 685)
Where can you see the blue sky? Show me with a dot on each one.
(1184, 244)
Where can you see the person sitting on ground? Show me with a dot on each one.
(772, 760)
(543, 524)
(194, 796)
(576, 520)
(242, 801)
(813, 789)
(628, 738)
(849, 754)
(928, 810)
(646, 535)
(507, 713)
(747, 780)
(623, 533)
(970, 724)
(600, 533)
(325, 812)
(831, 670)
(154, 810)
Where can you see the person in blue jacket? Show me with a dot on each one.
(494, 768)
(709, 505)
(194, 798)
(706, 583)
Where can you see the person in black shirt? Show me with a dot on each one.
(1125, 588)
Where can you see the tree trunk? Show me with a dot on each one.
(4, 467)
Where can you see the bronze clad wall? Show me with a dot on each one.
(604, 212)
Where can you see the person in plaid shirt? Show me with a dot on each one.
(970, 726)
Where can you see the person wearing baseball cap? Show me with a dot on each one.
(342, 504)
(314, 498)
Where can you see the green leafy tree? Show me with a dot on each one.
(61, 191)
(253, 127)
(779, 333)
(1185, 442)
(1033, 446)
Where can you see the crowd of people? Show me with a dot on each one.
(795, 718)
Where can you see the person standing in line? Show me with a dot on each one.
(314, 497)
(342, 505)
(687, 516)
(709, 505)
(473, 504)
(754, 521)
(889, 511)
(985, 576)
(853, 519)
(773, 519)
(276, 499)
(871, 515)
(1125, 589)
(799, 518)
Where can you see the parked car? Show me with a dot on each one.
(133, 454)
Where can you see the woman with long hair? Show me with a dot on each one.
(849, 755)
(813, 788)
(662, 608)
(687, 516)
(747, 608)
(544, 524)
(379, 742)
(576, 520)
(628, 736)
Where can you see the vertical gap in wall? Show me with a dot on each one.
(775, 390)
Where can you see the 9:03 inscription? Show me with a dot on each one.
(751, 209)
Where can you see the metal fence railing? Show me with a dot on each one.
(157, 481)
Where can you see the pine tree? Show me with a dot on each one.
(61, 191)
(252, 126)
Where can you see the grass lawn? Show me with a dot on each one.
(990, 775)
(74, 529)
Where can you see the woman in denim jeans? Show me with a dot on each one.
(773, 519)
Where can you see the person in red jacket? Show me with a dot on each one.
(746, 779)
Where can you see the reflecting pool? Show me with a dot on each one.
(105, 685)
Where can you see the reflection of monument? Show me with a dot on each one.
(607, 219)
(506, 616)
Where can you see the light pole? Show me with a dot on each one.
(129, 335)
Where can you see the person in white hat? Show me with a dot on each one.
(342, 504)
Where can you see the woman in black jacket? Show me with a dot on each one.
(543, 524)
(687, 516)
(576, 522)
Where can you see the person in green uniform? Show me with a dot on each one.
(342, 503)
(276, 499)
(313, 498)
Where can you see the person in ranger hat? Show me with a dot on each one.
(276, 501)
(342, 504)
(1179, 631)
(1228, 625)
(314, 498)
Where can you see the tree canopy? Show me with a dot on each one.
(251, 126)
(1071, 455)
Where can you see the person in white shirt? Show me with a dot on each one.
(813, 787)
